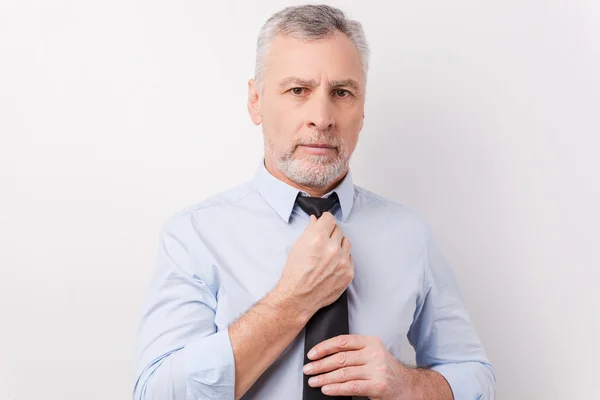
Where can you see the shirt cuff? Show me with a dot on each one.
(461, 380)
(210, 367)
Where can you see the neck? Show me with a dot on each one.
(312, 191)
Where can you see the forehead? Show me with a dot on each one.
(334, 58)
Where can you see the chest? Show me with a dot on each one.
(382, 298)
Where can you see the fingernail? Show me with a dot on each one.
(307, 368)
(312, 381)
(326, 389)
(312, 353)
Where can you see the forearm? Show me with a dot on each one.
(260, 335)
(427, 384)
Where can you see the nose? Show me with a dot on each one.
(320, 113)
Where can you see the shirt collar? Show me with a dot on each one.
(282, 197)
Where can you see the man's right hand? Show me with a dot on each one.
(318, 269)
(319, 266)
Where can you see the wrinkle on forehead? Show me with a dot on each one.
(313, 83)
(335, 58)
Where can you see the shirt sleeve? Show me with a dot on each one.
(181, 355)
(443, 336)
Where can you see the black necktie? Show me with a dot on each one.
(331, 320)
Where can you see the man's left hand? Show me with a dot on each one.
(356, 365)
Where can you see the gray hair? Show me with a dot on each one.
(307, 22)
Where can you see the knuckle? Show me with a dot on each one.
(342, 341)
(345, 374)
(353, 387)
(314, 241)
(332, 250)
(382, 368)
(340, 358)
(377, 355)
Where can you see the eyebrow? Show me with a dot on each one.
(311, 83)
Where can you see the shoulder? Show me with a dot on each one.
(388, 212)
(211, 205)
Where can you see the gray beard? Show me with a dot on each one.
(314, 170)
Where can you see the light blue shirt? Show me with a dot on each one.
(219, 257)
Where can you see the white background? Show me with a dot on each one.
(482, 116)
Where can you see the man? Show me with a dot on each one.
(243, 278)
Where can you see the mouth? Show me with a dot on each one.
(318, 145)
(317, 148)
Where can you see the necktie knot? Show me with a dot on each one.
(317, 205)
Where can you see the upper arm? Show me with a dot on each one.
(179, 314)
(442, 333)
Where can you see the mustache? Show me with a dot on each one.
(318, 138)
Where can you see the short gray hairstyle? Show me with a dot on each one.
(307, 22)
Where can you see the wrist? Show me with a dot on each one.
(411, 380)
(426, 384)
(413, 383)
(289, 306)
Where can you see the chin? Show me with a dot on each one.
(318, 161)
(314, 171)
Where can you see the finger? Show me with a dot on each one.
(340, 376)
(366, 387)
(337, 344)
(346, 245)
(337, 235)
(335, 361)
(326, 223)
(312, 225)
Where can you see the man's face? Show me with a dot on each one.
(311, 108)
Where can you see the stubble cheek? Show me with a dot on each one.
(352, 129)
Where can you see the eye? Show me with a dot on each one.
(342, 93)
(297, 91)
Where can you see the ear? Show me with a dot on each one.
(362, 122)
(254, 102)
